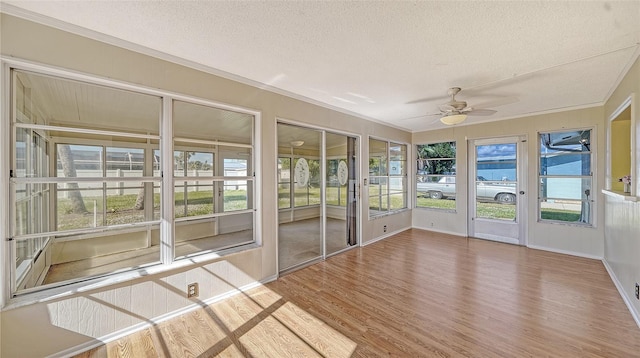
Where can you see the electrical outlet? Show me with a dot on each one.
(384, 228)
(637, 291)
(193, 290)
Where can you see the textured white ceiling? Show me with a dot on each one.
(373, 58)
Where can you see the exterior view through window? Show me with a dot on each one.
(496, 178)
(436, 175)
(87, 180)
(387, 177)
(566, 177)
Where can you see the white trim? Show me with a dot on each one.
(85, 130)
(622, 107)
(167, 204)
(64, 73)
(292, 208)
(212, 142)
(623, 196)
(323, 193)
(524, 115)
(5, 165)
(622, 74)
(305, 125)
(389, 234)
(565, 252)
(522, 161)
(463, 235)
(100, 229)
(94, 35)
(213, 216)
(627, 301)
(167, 226)
(207, 179)
(593, 202)
(52, 180)
(97, 342)
(77, 30)
(629, 102)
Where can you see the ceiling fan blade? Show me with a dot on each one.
(480, 112)
(421, 116)
(428, 99)
(446, 108)
(498, 102)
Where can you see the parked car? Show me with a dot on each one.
(486, 190)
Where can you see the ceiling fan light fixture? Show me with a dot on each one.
(297, 143)
(453, 119)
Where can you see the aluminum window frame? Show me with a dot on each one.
(372, 214)
(592, 202)
(9, 296)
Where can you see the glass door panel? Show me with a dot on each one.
(340, 192)
(495, 189)
(300, 229)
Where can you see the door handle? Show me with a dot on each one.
(521, 192)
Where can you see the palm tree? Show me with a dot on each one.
(65, 155)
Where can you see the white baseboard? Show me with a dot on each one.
(385, 236)
(440, 231)
(97, 342)
(566, 252)
(269, 279)
(627, 300)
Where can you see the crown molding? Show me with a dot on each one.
(13, 10)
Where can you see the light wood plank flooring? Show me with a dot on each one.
(416, 294)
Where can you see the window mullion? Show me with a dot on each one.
(167, 227)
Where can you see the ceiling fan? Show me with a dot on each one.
(455, 112)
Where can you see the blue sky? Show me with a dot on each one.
(497, 150)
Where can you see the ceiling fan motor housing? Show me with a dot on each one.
(453, 105)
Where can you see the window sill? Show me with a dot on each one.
(620, 195)
(394, 212)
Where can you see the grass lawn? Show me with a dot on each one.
(560, 215)
(120, 208)
(445, 204)
(499, 211)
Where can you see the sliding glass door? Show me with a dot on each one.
(317, 194)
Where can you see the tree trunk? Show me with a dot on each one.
(140, 199)
(69, 170)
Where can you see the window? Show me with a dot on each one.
(284, 183)
(213, 178)
(436, 175)
(387, 177)
(307, 193)
(193, 198)
(86, 182)
(336, 192)
(565, 177)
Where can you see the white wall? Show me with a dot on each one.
(584, 241)
(83, 317)
(622, 217)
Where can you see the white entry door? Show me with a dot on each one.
(497, 189)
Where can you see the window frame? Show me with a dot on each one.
(592, 201)
(12, 297)
(387, 176)
(417, 175)
(288, 182)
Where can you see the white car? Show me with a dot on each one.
(501, 192)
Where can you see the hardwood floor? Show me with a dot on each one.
(416, 294)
